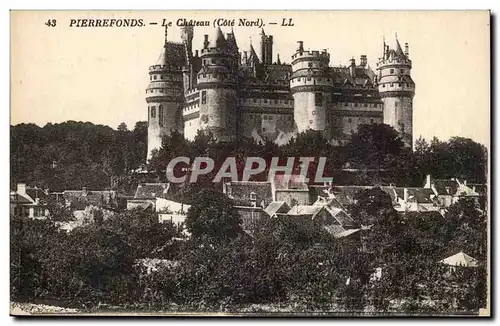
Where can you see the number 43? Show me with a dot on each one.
(51, 23)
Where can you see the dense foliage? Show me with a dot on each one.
(288, 264)
(71, 155)
(285, 264)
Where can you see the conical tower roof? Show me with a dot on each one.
(218, 38)
(399, 50)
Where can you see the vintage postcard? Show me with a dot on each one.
(250, 163)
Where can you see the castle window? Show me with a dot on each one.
(366, 105)
(349, 120)
(212, 61)
(161, 76)
(275, 101)
(204, 97)
(392, 85)
(160, 115)
(263, 129)
(298, 79)
(399, 84)
(402, 71)
(383, 85)
(153, 112)
(308, 78)
(310, 121)
(371, 120)
(356, 104)
(313, 112)
(318, 99)
(392, 71)
(154, 77)
(346, 104)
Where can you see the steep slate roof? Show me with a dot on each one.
(460, 259)
(172, 55)
(151, 190)
(277, 207)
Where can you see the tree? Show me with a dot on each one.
(213, 217)
(374, 146)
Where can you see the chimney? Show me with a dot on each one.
(205, 42)
(428, 181)
(21, 188)
(301, 46)
(363, 61)
(352, 68)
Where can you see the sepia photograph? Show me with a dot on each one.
(250, 163)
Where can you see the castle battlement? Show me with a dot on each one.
(234, 93)
(311, 55)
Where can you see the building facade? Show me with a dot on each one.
(233, 92)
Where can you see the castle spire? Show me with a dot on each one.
(278, 60)
(399, 50)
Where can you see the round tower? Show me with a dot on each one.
(397, 89)
(164, 94)
(311, 86)
(217, 84)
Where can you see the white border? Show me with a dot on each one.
(206, 5)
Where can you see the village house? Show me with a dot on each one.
(29, 201)
(78, 200)
(449, 191)
(149, 195)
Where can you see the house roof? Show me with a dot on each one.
(341, 216)
(82, 198)
(240, 192)
(301, 210)
(460, 259)
(346, 233)
(151, 190)
(277, 207)
(17, 198)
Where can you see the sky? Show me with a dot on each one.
(100, 74)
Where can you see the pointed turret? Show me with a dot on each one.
(399, 50)
(219, 39)
(278, 61)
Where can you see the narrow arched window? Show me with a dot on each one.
(161, 115)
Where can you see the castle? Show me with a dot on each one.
(233, 93)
